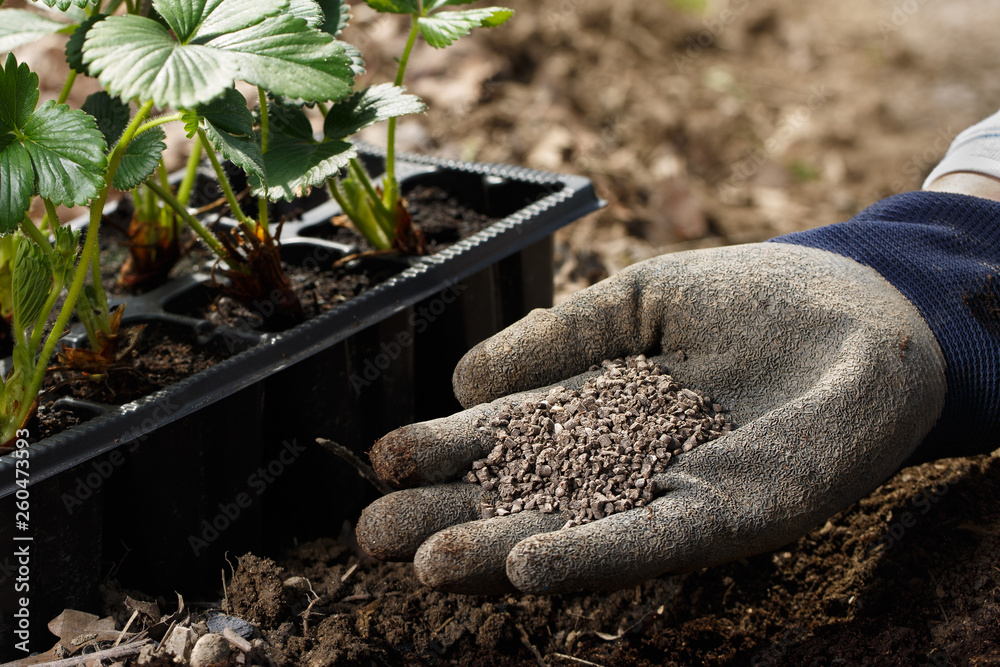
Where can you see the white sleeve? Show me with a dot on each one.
(976, 149)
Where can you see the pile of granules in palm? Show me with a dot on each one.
(594, 452)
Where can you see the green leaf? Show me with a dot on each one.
(72, 12)
(395, 6)
(444, 28)
(368, 107)
(228, 125)
(74, 46)
(18, 94)
(285, 58)
(66, 247)
(336, 14)
(241, 150)
(432, 5)
(30, 284)
(293, 165)
(139, 159)
(19, 27)
(217, 41)
(111, 114)
(308, 10)
(16, 186)
(67, 153)
(63, 5)
(355, 58)
(228, 113)
(289, 120)
(207, 18)
(55, 151)
(295, 160)
(137, 57)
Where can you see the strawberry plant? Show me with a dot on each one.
(161, 62)
(380, 213)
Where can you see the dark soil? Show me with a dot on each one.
(441, 217)
(591, 453)
(159, 357)
(319, 291)
(903, 577)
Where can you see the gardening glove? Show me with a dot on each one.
(832, 348)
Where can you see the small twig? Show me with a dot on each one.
(349, 572)
(236, 640)
(531, 647)
(579, 661)
(127, 626)
(225, 593)
(363, 468)
(166, 635)
(363, 255)
(112, 653)
(357, 597)
(308, 610)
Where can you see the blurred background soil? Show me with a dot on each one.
(705, 124)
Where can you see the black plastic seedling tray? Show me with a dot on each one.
(163, 487)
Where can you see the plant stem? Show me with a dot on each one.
(39, 327)
(199, 229)
(35, 234)
(227, 189)
(164, 216)
(265, 122)
(265, 137)
(389, 191)
(160, 120)
(372, 232)
(64, 93)
(190, 173)
(384, 217)
(96, 211)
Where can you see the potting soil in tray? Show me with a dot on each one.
(591, 453)
(160, 357)
(439, 216)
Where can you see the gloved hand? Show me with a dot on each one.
(832, 378)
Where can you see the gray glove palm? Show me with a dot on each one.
(831, 375)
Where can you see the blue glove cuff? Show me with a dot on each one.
(942, 251)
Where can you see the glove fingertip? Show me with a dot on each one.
(394, 526)
(470, 381)
(377, 534)
(528, 567)
(392, 458)
(446, 563)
